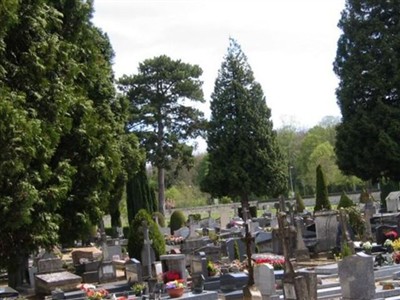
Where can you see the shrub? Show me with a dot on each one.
(136, 236)
(300, 207)
(322, 199)
(177, 220)
(345, 201)
(161, 218)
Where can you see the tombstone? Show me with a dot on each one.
(198, 265)
(369, 211)
(183, 232)
(224, 217)
(263, 241)
(354, 286)
(233, 281)
(231, 244)
(80, 256)
(133, 270)
(264, 279)
(49, 265)
(174, 262)
(302, 253)
(393, 201)
(147, 253)
(326, 226)
(112, 252)
(107, 272)
(46, 283)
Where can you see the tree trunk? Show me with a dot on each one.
(161, 191)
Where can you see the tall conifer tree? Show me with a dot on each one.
(244, 156)
(368, 65)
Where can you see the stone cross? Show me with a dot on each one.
(147, 246)
(346, 240)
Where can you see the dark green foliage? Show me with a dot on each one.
(61, 129)
(322, 199)
(177, 220)
(368, 66)
(356, 221)
(300, 207)
(244, 157)
(136, 236)
(139, 195)
(345, 201)
(158, 115)
(161, 218)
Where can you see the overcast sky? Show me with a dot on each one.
(290, 45)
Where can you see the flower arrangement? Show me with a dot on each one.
(175, 284)
(93, 293)
(171, 276)
(396, 245)
(388, 243)
(277, 262)
(138, 288)
(367, 246)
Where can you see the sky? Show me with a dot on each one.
(290, 46)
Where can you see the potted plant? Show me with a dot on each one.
(175, 288)
(212, 270)
(138, 288)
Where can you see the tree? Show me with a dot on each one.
(244, 156)
(159, 94)
(139, 194)
(368, 66)
(322, 199)
(60, 134)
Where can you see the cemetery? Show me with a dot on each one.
(282, 254)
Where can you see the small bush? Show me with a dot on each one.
(345, 201)
(161, 218)
(300, 207)
(177, 220)
(136, 236)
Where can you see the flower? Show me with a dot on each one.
(175, 284)
(275, 261)
(171, 276)
(388, 243)
(93, 293)
(367, 246)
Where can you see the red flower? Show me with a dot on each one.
(171, 276)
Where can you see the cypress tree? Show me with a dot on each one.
(322, 199)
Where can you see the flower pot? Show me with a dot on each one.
(175, 293)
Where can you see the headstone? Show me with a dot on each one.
(198, 265)
(49, 265)
(233, 281)
(264, 279)
(353, 285)
(326, 226)
(133, 270)
(183, 232)
(80, 256)
(393, 201)
(46, 283)
(174, 262)
(224, 218)
(369, 211)
(147, 253)
(263, 241)
(302, 253)
(237, 243)
(107, 272)
(113, 252)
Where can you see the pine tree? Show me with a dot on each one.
(322, 199)
(244, 156)
(368, 65)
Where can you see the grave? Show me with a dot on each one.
(354, 286)
(133, 270)
(264, 279)
(326, 225)
(46, 283)
(174, 262)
